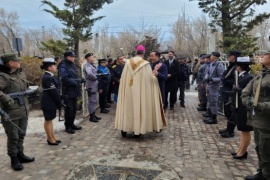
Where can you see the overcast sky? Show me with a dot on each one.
(119, 14)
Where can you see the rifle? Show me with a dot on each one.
(20, 95)
(6, 117)
(236, 84)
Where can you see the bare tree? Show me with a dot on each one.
(9, 29)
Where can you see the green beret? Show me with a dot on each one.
(9, 57)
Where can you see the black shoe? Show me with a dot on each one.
(241, 157)
(182, 105)
(104, 111)
(75, 127)
(211, 121)
(124, 134)
(97, 118)
(93, 118)
(137, 136)
(257, 176)
(165, 107)
(53, 144)
(107, 106)
(111, 102)
(202, 109)
(222, 131)
(207, 114)
(70, 130)
(227, 134)
(171, 107)
(233, 153)
(16, 164)
(25, 159)
(58, 141)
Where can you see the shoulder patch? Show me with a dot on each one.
(113, 66)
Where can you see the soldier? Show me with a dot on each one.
(116, 74)
(227, 82)
(171, 83)
(12, 80)
(256, 97)
(70, 89)
(103, 83)
(213, 79)
(90, 74)
(201, 85)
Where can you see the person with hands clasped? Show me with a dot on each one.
(50, 100)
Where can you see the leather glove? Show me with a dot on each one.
(236, 88)
(83, 80)
(9, 103)
(249, 105)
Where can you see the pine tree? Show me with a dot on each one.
(236, 18)
(76, 17)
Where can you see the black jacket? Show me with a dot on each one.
(227, 80)
(173, 69)
(183, 73)
(50, 99)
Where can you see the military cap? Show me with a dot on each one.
(217, 54)
(88, 55)
(207, 55)
(234, 53)
(201, 56)
(243, 60)
(9, 57)
(101, 60)
(69, 53)
(48, 61)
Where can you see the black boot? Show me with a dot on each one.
(104, 111)
(222, 131)
(227, 134)
(76, 127)
(92, 118)
(212, 120)
(230, 131)
(16, 164)
(25, 159)
(257, 176)
(98, 118)
(207, 113)
(202, 108)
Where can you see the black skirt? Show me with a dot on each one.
(241, 121)
(49, 114)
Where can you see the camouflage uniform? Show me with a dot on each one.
(13, 82)
(260, 121)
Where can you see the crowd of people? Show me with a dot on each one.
(143, 90)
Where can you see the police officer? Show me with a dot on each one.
(70, 89)
(117, 70)
(227, 82)
(201, 85)
(12, 80)
(213, 79)
(90, 74)
(103, 84)
(259, 108)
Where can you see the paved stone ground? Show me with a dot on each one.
(193, 149)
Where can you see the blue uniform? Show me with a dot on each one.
(213, 76)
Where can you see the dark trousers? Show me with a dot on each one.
(230, 114)
(70, 112)
(15, 136)
(173, 97)
(103, 99)
(182, 87)
(262, 147)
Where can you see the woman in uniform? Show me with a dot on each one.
(256, 97)
(242, 67)
(50, 100)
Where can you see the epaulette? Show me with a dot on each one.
(113, 66)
